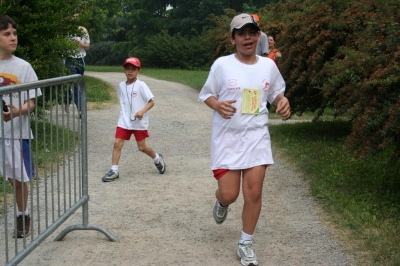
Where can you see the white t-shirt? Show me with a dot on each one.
(133, 98)
(81, 53)
(16, 71)
(243, 141)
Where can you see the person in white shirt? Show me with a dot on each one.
(237, 89)
(18, 162)
(136, 100)
(76, 64)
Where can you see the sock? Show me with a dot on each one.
(157, 158)
(114, 168)
(245, 237)
(24, 213)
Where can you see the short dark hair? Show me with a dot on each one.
(5, 21)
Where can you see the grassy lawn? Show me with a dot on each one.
(194, 79)
(100, 93)
(361, 198)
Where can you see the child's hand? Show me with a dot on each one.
(7, 115)
(283, 108)
(226, 109)
(139, 115)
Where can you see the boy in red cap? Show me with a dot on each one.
(135, 99)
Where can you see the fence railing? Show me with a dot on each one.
(55, 159)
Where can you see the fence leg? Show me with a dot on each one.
(71, 228)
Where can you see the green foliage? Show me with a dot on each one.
(103, 22)
(363, 197)
(103, 53)
(218, 37)
(165, 51)
(43, 30)
(343, 55)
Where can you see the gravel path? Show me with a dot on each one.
(167, 219)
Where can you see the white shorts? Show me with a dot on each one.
(21, 166)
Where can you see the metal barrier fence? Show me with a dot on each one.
(56, 160)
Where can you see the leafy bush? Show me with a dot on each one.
(344, 55)
(165, 51)
(105, 54)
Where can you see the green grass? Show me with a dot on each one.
(192, 78)
(361, 198)
(98, 90)
(58, 139)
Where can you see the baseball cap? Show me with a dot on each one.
(242, 20)
(133, 61)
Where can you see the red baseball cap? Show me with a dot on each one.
(133, 61)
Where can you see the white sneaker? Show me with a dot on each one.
(246, 254)
(161, 165)
(110, 176)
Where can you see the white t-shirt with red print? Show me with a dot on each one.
(243, 141)
(17, 71)
(133, 98)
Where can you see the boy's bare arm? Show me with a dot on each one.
(148, 106)
(282, 106)
(225, 109)
(16, 111)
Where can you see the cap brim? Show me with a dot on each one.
(124, 64)
(249, 23)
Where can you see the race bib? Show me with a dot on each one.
(251, 101)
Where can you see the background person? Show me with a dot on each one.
(273, 53)
(76, 64)
(240, 140)
(262, 45)
(136, 100)
(18, 159)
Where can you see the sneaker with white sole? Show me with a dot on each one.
(161, 165)
(110, 176)
(220, 212)
(246, 254)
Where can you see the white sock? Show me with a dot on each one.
(114, 168)
(245, 237)
(157, 158)
(24, 213)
